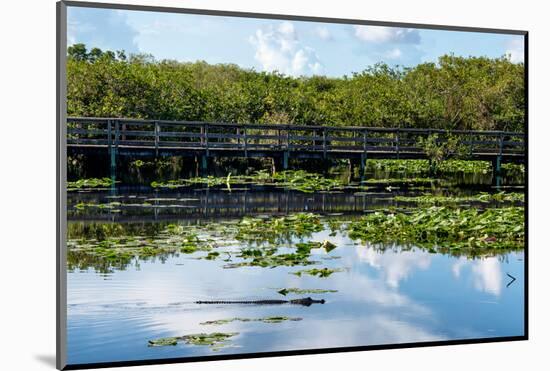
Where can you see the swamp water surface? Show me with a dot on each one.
(373, 294)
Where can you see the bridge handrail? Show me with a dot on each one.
(293, 127)
(280, 140)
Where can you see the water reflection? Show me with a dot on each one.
(395, 266)
(142, 204)
(487, 274)
(383, 297)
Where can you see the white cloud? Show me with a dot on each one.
(379, 34)
(279, 49)
(515, 50)
(323, 33)
(395, 53)
(395, 266)
(486, 274)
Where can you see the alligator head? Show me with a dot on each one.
(307, 301)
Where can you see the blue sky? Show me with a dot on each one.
(293, 48)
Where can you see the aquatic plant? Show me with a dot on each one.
(399, 180)
(162, 342)
(304, 181)
(294, 290)
(484, 197)
(90, 183)
(513, 170)
(108, 245)
(216, 340)
(276, 228)
(319, 272)
(271, 319)
(422, 167)
(299, 180)
(108, 205)
(444, 228)
(268, 258)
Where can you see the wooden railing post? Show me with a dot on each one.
(114, 148)
(157, 131)
(471, 135)
(324, 142)
(109, 137)
(206, 138)
(245, 143)
(117, 134)
(397, 142)
(287, 137)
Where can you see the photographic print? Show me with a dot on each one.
(241, 184)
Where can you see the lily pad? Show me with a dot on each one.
(294, 290)
(273, 319)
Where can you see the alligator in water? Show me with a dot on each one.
(303, 301)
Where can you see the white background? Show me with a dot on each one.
(27, 181)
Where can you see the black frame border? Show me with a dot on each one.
(61, 114)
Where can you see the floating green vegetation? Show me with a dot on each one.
(304, 181)
(162, 342)
(168, 184)
(443, 228)
(268, 258)
(105, 246)
(216, 340)
(422, 167)
(211, 181)
(307, 246)
(86, 205)
(514, 170)
(447, 167)
(272, 319)
(90, 183)
(273, 229)
(430, 199)
(464, 166)
(399, 180)
(286, 241)
(212, 255)
(294, 290)
(319, 272)
(299, 180)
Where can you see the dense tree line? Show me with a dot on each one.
(456, 93)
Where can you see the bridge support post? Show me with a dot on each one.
(362, 166)
(112, 156)
(112, 148)
(498, 164)
(285, 160)
(204, 165)
(497, 171)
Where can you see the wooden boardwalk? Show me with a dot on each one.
(203, 140)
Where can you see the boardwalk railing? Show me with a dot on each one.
(246, 139)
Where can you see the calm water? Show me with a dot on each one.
(384, 297)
